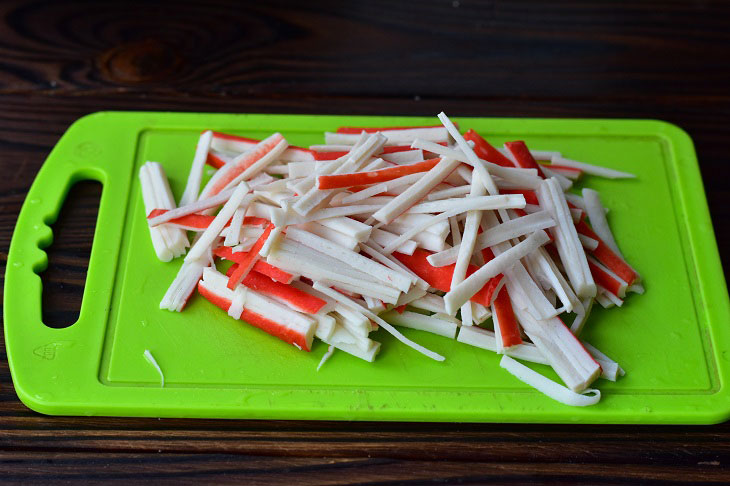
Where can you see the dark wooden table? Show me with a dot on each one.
(60, 60)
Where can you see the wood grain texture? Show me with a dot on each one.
(61, 60)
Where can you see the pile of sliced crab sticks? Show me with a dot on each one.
(415, 227)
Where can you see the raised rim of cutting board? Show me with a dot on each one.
(39, 384)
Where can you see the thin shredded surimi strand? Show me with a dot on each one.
(193, 208)
(481, 338)
(192, 187)
(597, 216)
(548, 387)
(151, 360)
(458, 295)
(592, 169)
(326, 356)
(421, 322)
(393, 331)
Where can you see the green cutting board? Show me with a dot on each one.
(673, 341)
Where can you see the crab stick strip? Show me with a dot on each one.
(260, 311)
(213, 230)
(604, 361)
(260, 265)
(477, 202)
(486, 151)
(565, 353)
(505, 320)
(335, 181)
(548, 387)
(563, 181)
(592, 169)
(484, 339)
(569, 247)
(190, 194)
(414, 320)
(350, 227)
(198, 222)
(334, 236)
(246, 165)
(358, 130)
(404, 157)
(389, 328)
(597, 216)
(466, 244)
(497, 234)
(233, 236)
(416, 192)
(226, 142)
(309, 201)
(317, 266)
(605, 255)
(374, 250)
(522, 178)
(606, 278)
(440, 277)
(458, 295)
(383, 187)
(196, 207)
(352, 348)
(522, 156)
(530, 196)
(248, 262)
(448, 192)
(182, 287)
(493, 202)
(168, 242)
(301, 301)
(217, 159)
(394, 137)
(373, 268)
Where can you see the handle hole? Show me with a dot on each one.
(68, 256)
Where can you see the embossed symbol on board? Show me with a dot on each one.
(87, 149)
(48, 351)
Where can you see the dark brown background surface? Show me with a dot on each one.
(61, 60)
